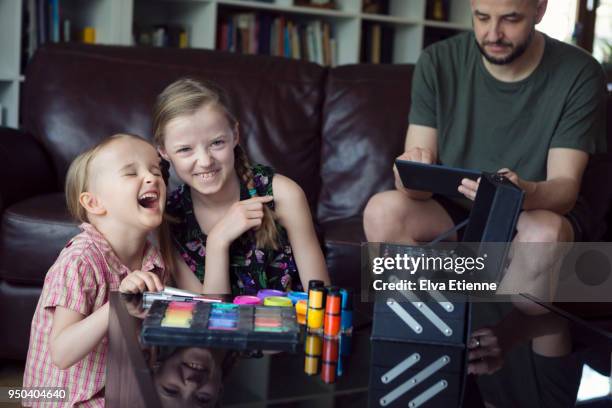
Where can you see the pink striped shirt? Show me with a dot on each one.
(81, 278)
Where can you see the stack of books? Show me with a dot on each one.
(44, 21)
(254, 33)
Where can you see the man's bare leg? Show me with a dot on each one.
(535, 270)
(392, 216)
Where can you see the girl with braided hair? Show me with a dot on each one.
(237, 227)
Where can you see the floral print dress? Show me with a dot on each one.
(251, 268)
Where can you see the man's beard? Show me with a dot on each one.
(518, 51)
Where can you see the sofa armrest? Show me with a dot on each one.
(26, 168)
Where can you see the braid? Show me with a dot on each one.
(267, 235)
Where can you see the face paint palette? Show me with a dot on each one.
(224, 325)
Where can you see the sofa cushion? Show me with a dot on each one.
(593, 205)
(33, 233)
(343, 240)
(77, 94)
(18, 303)
(365, 118)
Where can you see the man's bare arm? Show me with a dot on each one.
(559, 192)
(421, 146)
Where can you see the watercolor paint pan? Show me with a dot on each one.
(222, 325)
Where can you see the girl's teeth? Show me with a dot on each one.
(207, 176)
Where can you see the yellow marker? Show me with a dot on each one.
(315, 298)
(315, 319)
(312, 351)
(311, 365)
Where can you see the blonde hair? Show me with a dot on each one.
(184, 97)
(78, 176)
(78, 182)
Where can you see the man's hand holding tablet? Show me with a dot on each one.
(433, 178)
(416, 155)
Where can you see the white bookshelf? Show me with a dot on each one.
(114, 22)
(407, 17)
(10, 61)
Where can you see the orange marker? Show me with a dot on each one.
(330, 360)
(332, 313)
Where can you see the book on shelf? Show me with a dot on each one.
(287, 43)
(377, 43)
(326, 46)
(310, 43)
(67, 30)
(333, 46)
(44, 21)
(295, 43)
(437, 10)
(280, 36)
(24, 52)
(42, 18)
(328, 4)
(375, 6)
(318, 38)
(54, 20)
(162, 35)
(277, 35)
(30, 26)
(375, 50)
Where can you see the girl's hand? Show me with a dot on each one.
(241, 217)
(134, 308)
(486, 354)
(140, 281)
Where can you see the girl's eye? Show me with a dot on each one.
(203, 401)
(170, 391)
(183, 149)
(130, 174)
(218, 143)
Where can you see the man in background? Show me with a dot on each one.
(505, 98)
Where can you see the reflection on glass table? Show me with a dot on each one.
(145, 375)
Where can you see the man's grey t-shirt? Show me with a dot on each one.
(486, 124)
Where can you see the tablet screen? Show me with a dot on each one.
(435, 178)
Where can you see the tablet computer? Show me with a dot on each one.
(436, 178)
